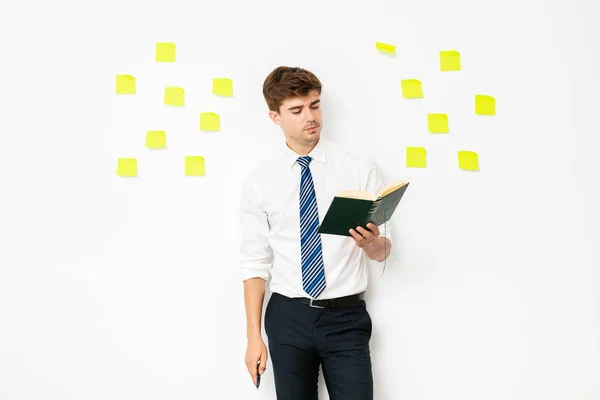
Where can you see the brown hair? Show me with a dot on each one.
(284, 82)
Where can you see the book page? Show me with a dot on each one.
(390, 188)
(364, 195)
(357, 194)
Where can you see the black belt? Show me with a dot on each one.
(355, 300)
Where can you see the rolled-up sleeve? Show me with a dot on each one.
(374, 182)
(256, 256)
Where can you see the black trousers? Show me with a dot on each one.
(302, 338)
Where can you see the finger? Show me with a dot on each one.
(373, 228)
(355, 234)
(366, 234)
(252, 370)
(262, 363)
(358, 238)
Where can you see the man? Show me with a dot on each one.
(316, 315)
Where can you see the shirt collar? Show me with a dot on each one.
(318, 153)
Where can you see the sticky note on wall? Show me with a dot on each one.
(165, 52)
(156, 139)
(450, 60)
(416, 157)
(127, 167)
(468, 160)
(385, 48)
(411, 89)
(174, 96)
(125, 84)
(210, 121)
(485, 105)
(437, 123)
(222, 87)
(194, 166)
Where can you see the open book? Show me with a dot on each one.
(352, 208)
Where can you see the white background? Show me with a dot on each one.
(128, 288)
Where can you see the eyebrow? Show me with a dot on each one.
(299, 107)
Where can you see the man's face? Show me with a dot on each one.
(300, 119)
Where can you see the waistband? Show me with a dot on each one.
(354, 300)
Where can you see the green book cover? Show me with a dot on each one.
(351, 209)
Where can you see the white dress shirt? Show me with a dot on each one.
(270, 219)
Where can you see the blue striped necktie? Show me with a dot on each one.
(313, 272)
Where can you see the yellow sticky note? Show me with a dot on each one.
(194, 165)
(165, 52)
(416, 157)
(386, 48)
(125, 84)
(156, 139)
(450, 60)
(127, 167)
(485, 105)
(438, 123)
(174, 96)
(209, 121)
(468, 160)
(222, 87)
(412, 89)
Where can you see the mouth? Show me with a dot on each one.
(312, 129)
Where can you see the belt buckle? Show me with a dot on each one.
(314, 306)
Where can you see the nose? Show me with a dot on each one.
(310, 115)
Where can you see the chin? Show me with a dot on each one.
(313, 136)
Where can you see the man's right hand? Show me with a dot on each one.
(255, 352)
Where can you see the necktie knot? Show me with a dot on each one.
(304, 161)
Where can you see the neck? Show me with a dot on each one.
(301, 149)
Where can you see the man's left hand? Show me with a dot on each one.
(363, 237)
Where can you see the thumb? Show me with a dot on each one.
(262, 363)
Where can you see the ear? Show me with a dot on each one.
(275, 117)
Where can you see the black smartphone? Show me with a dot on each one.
(257, 375)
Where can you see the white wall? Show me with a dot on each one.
(127, 288)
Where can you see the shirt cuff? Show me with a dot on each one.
(255, 271)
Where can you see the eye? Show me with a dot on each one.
(297, 112)
(315, 107)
